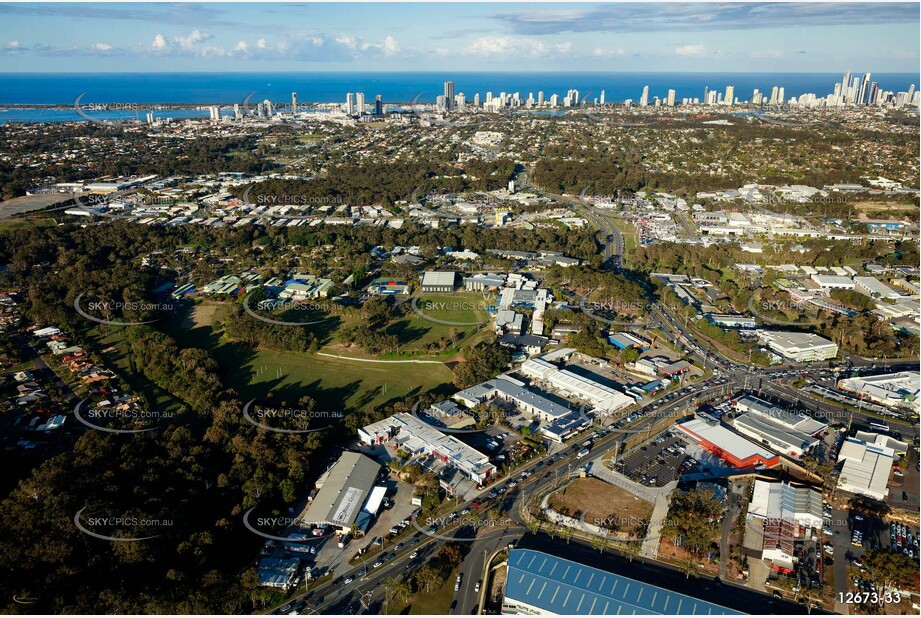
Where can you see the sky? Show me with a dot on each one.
(488, 36)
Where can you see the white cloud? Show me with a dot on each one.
(241, 47)
(690, 50)
(101, 47)
(194, 37)
(159, 43)
(390, 46)
(348, 40)
(490, 45)
(516, 46)
(261, 44)
(608, 53)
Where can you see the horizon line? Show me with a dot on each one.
(451, 72)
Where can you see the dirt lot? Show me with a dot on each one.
(201, 314)
(599, 501)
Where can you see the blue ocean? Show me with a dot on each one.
(398, 87)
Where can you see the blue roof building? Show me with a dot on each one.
(539, 583)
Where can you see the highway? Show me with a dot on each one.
(365, 594)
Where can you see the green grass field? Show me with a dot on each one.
(467, 309)
(8, 225)
(336, 384)
(628, 231)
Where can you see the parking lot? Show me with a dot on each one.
(657, 463)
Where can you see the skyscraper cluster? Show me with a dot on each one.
(355, 104)
(458, 101)
(849, 92)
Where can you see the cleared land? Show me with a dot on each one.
(599, 501)
(29, 203)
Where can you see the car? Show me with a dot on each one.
(376, 564)
(492, 494)
(501, 490)
(414, 555)
(414, 542)
(348, 580)
(478, 584)
(398, 547)
(465, 511)
(457, 583)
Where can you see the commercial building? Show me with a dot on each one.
(773, 435)
(799, 347)
(673, 368)
(527, 400)
(833, 282)
(557, 421)
(435, 281)
(483, 282)
(781, 500)
(731, 321)
(510, 298)
(602, 397)
(538, 583)
(888, 389)
(779, 514)
(624, 340)
(346, 489)
(279, 571)
(406, 432)
(874, 288)
(727, 445)
(302, 286)
(865, 468)
(899, 447)
(788, 419)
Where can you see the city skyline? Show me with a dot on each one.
(530, 37)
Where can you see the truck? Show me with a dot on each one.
(582, 453)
